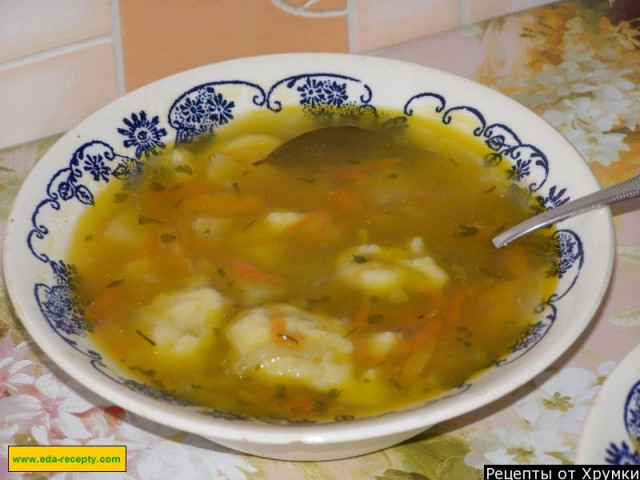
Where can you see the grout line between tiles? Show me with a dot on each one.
(351, 40)
(464, 17)
(117, 46)
(44, 55)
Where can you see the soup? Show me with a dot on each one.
(347, 274)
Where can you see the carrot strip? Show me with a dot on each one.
(319, 217)
(418, 360)
(363, 355)
(433, 324)
(454, 310)
(421, 346)
(363, 312)
(298, 403)
(99, 310)
(278, 325)
(316, 225)
(238, 267)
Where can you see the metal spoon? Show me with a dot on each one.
(320, 144)
(615, 193)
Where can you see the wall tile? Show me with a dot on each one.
(478, 10)
(449, 51)
(161, 38)
(55, 93)
(380, 23)
(309, 7)
(30, 26)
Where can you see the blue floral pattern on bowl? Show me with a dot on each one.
(199, 112)
(143, 134)
(621, 453)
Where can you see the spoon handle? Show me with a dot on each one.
(615, 193)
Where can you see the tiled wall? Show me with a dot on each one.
(60, 60)
(58, 64)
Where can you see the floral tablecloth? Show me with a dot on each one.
(577, 65)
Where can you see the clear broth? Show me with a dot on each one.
(309, 288)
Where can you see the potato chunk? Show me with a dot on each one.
(280, 221)
(124, 230)
(251, 148)
(381, 343)
(223, 169)
(180, 322)
(285, 342)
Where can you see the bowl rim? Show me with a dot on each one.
(612, 395)
(322, 433)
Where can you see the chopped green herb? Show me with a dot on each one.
(88, 238)
(235, 186)
(115, 283)
(183, 169)
(467, 230)
(146, 338)
(157, 187)
(196, 386)
(249, 225)
(394, 383)
(221, 272)
(309, 180)
(334, 393)
(287, 338)
(396, 123)
(281, 392)
(320, 406)
(142, 220)
(167, 238)
(489, 190)
(360, 259)
(464, 334)
(492, 159)
(499, 229)
(376, 317)
(392, 175)
(148, 373)
(120, 197)
(344, 418)
(350, 332)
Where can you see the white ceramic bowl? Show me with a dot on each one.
(611, 431)
(181, 107)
